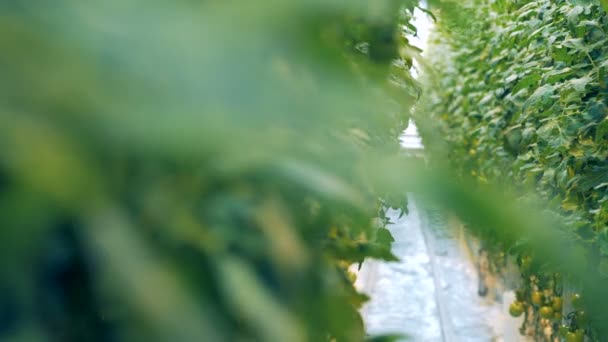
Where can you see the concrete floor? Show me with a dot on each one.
(431, 294)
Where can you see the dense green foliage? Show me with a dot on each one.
(209, 170)
(195, 171)
(522, 101)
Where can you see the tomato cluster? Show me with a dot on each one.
(573, 330)
(540, 298)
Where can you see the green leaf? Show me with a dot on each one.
(574, 13)
(384, 237)
(579, 84)
(555, 76)
(541, 98)
(527, 81)
(601, 132)
(577, 44)
(253, 303)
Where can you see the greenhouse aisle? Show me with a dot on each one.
(431, 294)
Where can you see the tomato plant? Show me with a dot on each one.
(519, 97)
(196, 170)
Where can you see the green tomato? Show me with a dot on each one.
(576, 301)
(557, 303)
(563, 330)
(536, 297)
(526, 262)
(516, 309)
(546, 312)
(581, 317)
(575, 336)
(557, 316)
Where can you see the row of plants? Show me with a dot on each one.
(519, 96)
(197, 171)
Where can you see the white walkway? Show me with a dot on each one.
(431, 294)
